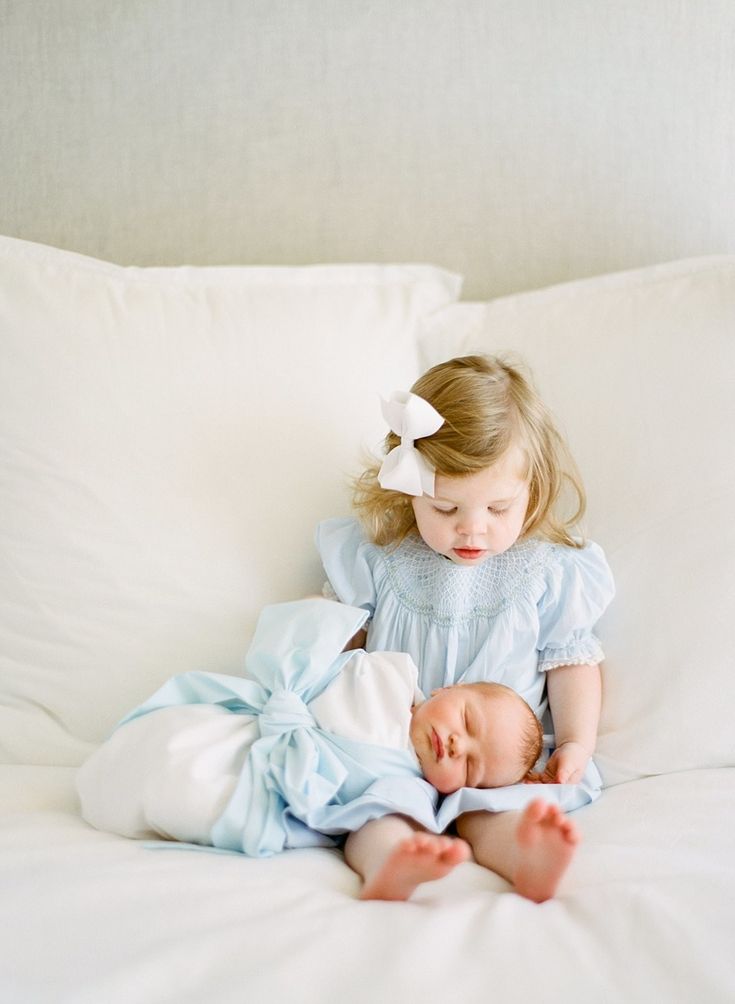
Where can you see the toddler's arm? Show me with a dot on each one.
(357, 641)
(574, 698)
(359, 638)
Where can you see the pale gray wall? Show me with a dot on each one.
(520, 142)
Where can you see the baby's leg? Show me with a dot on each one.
(531, 849)
(394, 855)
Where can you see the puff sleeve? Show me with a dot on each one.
(349, 562)
(578, 590)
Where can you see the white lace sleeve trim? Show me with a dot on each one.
(544, 667)
(579, 652)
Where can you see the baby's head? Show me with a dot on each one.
(493, 418)
(475, 735)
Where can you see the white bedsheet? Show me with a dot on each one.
(646, 913)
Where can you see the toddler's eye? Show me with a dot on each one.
(445, 512)
(496, 512)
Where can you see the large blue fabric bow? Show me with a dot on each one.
(296, 775)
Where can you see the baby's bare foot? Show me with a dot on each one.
(547, 841)
(419, 858)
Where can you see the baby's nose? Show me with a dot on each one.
(454, 746)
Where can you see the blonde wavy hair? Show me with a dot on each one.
(488, 405)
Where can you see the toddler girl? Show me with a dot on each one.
(464, 558)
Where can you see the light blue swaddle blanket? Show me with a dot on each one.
(298, 782)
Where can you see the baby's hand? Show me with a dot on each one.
(566, 765)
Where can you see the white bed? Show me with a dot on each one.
(162, 473)
(169, 438)
(645, 915)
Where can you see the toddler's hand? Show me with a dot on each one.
(356, 641)
(566, 766)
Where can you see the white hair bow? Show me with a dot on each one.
(404, 469)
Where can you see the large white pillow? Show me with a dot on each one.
(639, 367)
(168, 440)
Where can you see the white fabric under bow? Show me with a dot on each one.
(405, 469)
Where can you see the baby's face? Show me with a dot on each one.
(470, 737)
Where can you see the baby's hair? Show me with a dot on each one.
(532, 742)
(488, 405)
(532, 737)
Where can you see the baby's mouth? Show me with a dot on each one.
(437, 745)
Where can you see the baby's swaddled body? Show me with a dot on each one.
(171, 773)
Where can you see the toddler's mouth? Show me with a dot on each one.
(437, 745)
(470, 553)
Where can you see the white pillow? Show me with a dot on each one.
(639, 367)
(168, 440)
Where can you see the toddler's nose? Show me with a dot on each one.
(471, 526)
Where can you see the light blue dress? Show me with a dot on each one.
(509, 620)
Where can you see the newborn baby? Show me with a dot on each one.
(310, 743)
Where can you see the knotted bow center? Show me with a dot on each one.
(283, 712)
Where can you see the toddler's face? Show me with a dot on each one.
(473, 517)
(470, 737)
